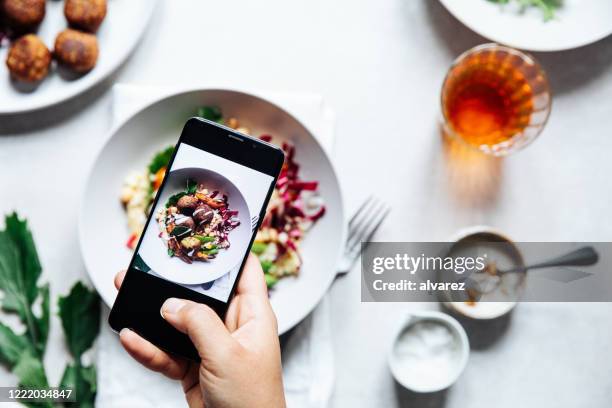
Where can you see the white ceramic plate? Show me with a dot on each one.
(576, 23)
(102, 222)
(124, 24)
(154, 251)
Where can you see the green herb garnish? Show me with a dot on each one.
(211, 113)
(548, 7)
(191, 186)
(173, 199)
(161, 159)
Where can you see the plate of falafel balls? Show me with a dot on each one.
(54, 50)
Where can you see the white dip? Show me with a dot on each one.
(427, 356)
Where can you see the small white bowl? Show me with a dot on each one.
(488, 310)
(457, 331)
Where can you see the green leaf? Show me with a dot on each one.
(31, 374)
(30, 371)
(173, 199)
(211, 113)
(19, 271)
(80, 315)
(161, 159)
(19, 232)
(42, 322)
(12, 346)
(191, 186)
(15, 299)
(179, 230)
(82, 381)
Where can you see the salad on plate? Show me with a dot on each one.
(194, 224)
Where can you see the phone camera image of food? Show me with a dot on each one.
(197, 222)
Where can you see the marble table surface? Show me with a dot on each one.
(380, 65)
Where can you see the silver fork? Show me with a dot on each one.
(362, 226)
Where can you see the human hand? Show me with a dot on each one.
(240, 360)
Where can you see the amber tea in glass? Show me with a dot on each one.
(496, 99)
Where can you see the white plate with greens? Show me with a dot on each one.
(132, 144)
(547, 25)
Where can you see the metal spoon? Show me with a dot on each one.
(584, 256)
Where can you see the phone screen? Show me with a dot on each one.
(200, 229)
(203, 221)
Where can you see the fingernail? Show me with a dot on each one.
(171, 306)
(123, 331)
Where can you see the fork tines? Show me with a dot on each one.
(365, 221)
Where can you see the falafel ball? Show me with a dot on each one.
(29, 59)
(85, 14)
(23, 15)
(203, 214)
(76, 50)
(186, 204)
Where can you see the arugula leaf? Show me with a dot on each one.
(173, 199)
(161, 159)
(80, 315)
(82, 380)
(212, 113)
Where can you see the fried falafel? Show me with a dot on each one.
(28, 59)
(76, 50)
(23, 15)
(86, 15)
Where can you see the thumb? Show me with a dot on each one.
(203, 326)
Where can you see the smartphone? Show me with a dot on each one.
(200, 229)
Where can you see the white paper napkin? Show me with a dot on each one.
(308, 367)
